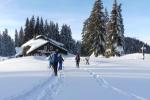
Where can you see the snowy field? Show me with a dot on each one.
(29, 78)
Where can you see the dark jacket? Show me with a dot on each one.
(77, 58)
(60, 59)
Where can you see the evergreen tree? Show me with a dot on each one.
(106, 21)
(56, 33)
(94, 33)
(42, 27)
(121, 26)
(78, 47)
(106, 14)
(73, 47)
(115, 32)
(107, 24)
(4, 43)
(51, 29)
(37, 27)
(16, 39)
(7, 44)
(21, 37)
(84, 49)
(11, 44)
(66, 36)
(27, 33)
(46, 26)
(85, 45)
(32, 28)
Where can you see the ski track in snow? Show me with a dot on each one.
(102, 82)
(49, 89)
(44, 91)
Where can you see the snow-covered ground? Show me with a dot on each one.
(3, 58)
(29, 78)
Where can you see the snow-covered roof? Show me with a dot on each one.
(58, 43)
(34, 44)
(39, 36)
(37, 42)
(50, 40)
(59, 46)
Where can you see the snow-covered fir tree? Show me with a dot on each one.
(32, 28)
(85, 46)
(106, 21)
(94, 31)
(42, 27)
(55, 30)
(51, 29)
(16, 39)
(27, 34)
(66, 37)
(46, 26)
(37, 26)
(21, 37)
(122, 40)
(115, 33)
(11, 44)
(73, 48)
(7, 46)
(106, 14)
(4, 43)
(78, 47)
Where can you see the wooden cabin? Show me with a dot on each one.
(41, 45)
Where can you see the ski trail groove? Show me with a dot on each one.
(102, 82)
(44, 91)
(52, 90)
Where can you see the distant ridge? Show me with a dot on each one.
(133, 45)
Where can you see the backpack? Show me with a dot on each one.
(60, 58)
(54, 58)
(51, 59)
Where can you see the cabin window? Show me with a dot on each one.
(45, 48)
(51, 48)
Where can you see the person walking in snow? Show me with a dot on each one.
(77, 58)
(60, 61)
(50, 60)
(143, 51)
(54, 61)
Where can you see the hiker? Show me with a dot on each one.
(143, 51)
(54, 61)
(87, 60)
(77, 58)
(50, 60)
(60, 61)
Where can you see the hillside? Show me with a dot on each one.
(134, 46)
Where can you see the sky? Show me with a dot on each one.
(13, 14)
